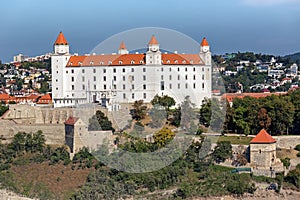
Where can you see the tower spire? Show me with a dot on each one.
(123, 49)
(153, 40)
(61, 40)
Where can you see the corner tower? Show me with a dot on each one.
(61, 45)
(59, 61)
(205, 53)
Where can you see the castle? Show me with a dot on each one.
(114, 79)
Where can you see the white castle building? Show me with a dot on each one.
(114, 79)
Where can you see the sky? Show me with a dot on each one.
(262, 26)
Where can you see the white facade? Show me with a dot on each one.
(125, 78)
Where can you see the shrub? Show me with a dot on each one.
(297, 147)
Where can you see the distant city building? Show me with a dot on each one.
(20, 58)
(121, 78)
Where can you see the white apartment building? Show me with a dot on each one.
(115, 79)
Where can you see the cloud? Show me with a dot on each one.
(269, 2)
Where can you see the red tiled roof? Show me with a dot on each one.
(61, 40)
(153, 40)
(132, 59)
(122, 46)
(46, 97)
(231, 96)
(263, 138)
(204, 42)
(71, 120)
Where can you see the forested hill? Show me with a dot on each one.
(293, 57)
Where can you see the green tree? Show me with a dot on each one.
(205, 112)
(222, 151)
(100, 122)
(139, 110)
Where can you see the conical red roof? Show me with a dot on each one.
(204, 42)
(122, 46)
(61, 40)
(153, 40)
(263, 138)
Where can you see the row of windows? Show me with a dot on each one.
(144, 86)
(132, 78)
(132, 70)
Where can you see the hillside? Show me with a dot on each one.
(293, 57)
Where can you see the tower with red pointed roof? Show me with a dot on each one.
(263, 154)
(205, 53)
(153, 55)
(59, 60)
(61, 45)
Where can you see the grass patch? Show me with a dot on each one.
(236, 139)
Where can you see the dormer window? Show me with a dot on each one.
(71, 63)
(91, 63)
(109, 62)
(79, 63)
(120, 62)
(191, 61)
(101, 63)
(176, 61)
(184, 61)
(132, 62)
(141, 62)
(168, 61)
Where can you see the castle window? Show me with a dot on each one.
(162, 69)
(114, 70)
(83, 71)
(194, 69)
(170, 86)
(132, 69)
(144, 86)
(123, 70)
(94, 71)
(132, 78)
(83, 79)
(95, 87)
(178, 69)
(170, 77)
(124, 95)
(124, 78)
(83, 87)
(186, 69)
(259, 151)
(145, 96)
(104, 78)
(104, 87)
(94, 78)
(178, 77)
(72, 71)
(203, 69)
(186, 86)
(132, 86)
(194, 77)
(73, 87)
(178, 86)
(67, 72)
(72, 78)
(132, 95)
(104, 70)
(170, 69)
(115, 78)
(144, 77)
(144, 69)
(115, 86)
(202, 85)
(194, 85)
(186, 77)
(202, 76)
(124, 86)
(162, 77)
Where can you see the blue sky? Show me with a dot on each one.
(268, 26)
